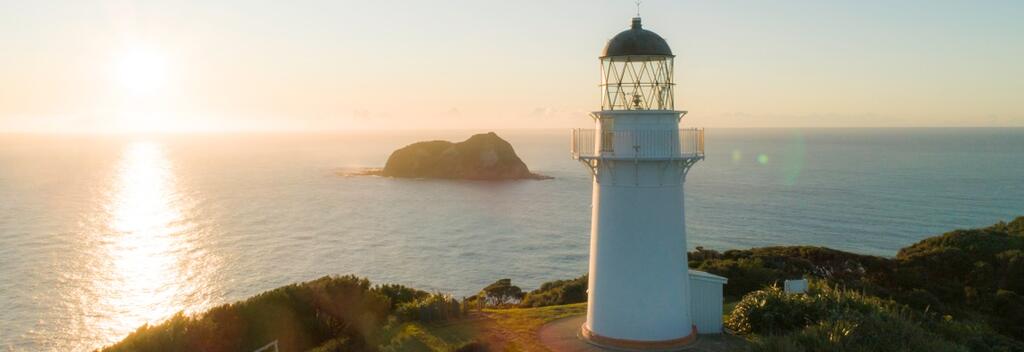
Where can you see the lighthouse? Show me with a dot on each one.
(639, 286)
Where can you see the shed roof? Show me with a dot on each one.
(703, 276)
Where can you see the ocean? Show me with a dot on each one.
(99, 235)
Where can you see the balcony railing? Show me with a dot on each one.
(638, 144)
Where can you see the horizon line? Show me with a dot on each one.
(407, 130)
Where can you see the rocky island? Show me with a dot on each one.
(483, 156)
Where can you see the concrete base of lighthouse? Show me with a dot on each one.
(565, 335)
(637, 345)
(639, 294)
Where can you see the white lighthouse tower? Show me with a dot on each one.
(639, 293)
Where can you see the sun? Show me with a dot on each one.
(140, 71)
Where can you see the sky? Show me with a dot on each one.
(181, 66)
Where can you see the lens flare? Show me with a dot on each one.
(794, 158)
(737, 155)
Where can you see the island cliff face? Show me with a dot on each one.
(481, 157)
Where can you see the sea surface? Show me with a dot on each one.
(99, 235)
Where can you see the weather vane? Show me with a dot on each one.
(638, 8)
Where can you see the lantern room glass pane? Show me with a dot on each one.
(637, 83)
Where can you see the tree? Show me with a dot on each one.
(501, 293)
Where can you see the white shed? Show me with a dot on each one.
(706, 301)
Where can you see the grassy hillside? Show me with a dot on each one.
(958, 291)
(975, 274)
(342, 313)
(828, 318)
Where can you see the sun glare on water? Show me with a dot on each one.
(151, 267)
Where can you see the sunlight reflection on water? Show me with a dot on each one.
(146, 265)
(100, 234)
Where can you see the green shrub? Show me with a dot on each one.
(434, 307)
(1009, 313)
(921, 299)
(772, 311)
(501, 293)
(298, 316)
(750, 270)
(557, 292)
(334, 345)
(828, 318)
(1011, 263)
(473, 347)
(872, 332)
(974, 273)
(399, 294)
(975, 335)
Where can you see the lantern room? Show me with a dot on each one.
(636, 71)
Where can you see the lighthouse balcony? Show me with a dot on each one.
(588, 144)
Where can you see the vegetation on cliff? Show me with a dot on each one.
(331, 313)
(961, 291)
(975, 274)
(557, 293)
(828, 318)
(974, 277)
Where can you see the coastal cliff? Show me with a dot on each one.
(959, 291)
(481, 157)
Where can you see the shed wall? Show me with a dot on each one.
(706, 305)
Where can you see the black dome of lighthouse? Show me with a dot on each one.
(636, 41)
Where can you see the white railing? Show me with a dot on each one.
(638, 144)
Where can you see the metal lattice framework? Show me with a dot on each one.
(637, 83)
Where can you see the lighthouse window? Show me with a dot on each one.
(636, 83)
